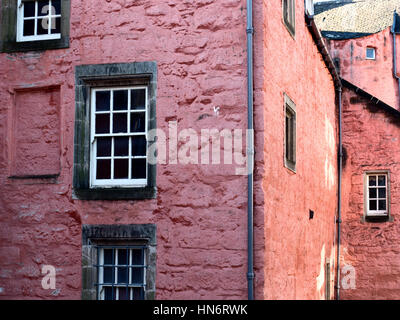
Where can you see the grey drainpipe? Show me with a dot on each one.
(250, 152)
(393, 30)
(339, 216)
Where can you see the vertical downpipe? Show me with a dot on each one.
(393, 30)
(250, 151)
(339, 216)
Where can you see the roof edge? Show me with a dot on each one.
(372, 98)
(318, 39)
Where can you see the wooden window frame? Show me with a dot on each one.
(112, 182)
(9, 39)
(20, 23)
(289, 137)
(376, 213)
(373, 50)
(87, 78)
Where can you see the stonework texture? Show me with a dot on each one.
(371, 142)
(200, 210)
(297, 247)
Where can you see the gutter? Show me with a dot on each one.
(339, 204)
(394, 32)
(317, 37)
(250, 152)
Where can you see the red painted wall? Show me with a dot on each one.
(296, 247)
(371, 142)
(374, 76)
(201, 210)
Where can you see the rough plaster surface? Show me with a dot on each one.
(201, 210)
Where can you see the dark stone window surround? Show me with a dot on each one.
(383, 218)
(93, 235)
(8, 30)
(87, 77)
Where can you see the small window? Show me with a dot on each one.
(289, 15)
(119, 262)
(370, 53)
(28, 25)
(39, 20)
(119, 144)
(290, 134)
(376, 191)
(121, 272)
(309, 7)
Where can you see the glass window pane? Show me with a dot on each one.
(137, 275)
(120, 100)
(103, 169)
(138, 122)
(102, 100)
(108, 256)
(138, 99)
(43, 26)
(56, 7)
(108, 293)
(137, 257)
(372, 180)
(121, 146)
(382, 193)
(120, 123)
(29, 27)
(102, 123)
(382, 204)
(139, 145)
(381, 180)
(372, 193)
(56, 26)
(103, 147)
(372, 205)
(121, 169)
(29, 9)
(108, 274)
(43, 8)
(139, 168)
(123, 293)
(138, 293)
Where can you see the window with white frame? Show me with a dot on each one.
(121, 273)
(289, 15)
(118, 137)
(370, 53)
(376, 190)
(38, 20)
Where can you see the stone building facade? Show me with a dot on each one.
(89, 210)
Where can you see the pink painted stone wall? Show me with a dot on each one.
(373, 76)
(201, 210)
(371, 142)
(297, 248)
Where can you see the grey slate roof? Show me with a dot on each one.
(352, 19)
